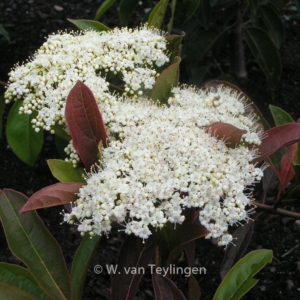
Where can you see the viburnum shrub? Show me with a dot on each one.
(166, 164)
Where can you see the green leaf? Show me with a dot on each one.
(103, 8)
(81, 263)
(170, 24)
(60, 131)
(191, 7)
(60, 145)
(274, 23)
(126, 9)
(9, 292)
(165, 82)
(2, 104)
(158, 13)
(197, 74)
(253, 4)
(89, 25)
(204, 13)
(64, 171)
(265, 53)
(280, 116)
(21, 137)
(239, 279)
(201, 43)
(174, 45)
(31, 242)
(4, 33)
(21, 278)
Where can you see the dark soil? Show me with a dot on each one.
(28, 22)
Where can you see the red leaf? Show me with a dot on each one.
(165, 288)
(133, 255)
(53, 195)
(230, 133)
(85, 123)
(287, 172)
(194, 292)
(234, 253)
(277, 138)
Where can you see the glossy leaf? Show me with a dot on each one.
(269, 181)
(172, 241)
(21, 278)
(227, 132)
(2, 104)
(239, 280)
(280, 116)
(9, 292)
(89, 25)
(165, 82)
(174, 45)
(194, 292)
(64, 171)
(278, 138)
(103, 8)
(21, 137)
(186, 233)
(126, 9)
(133, 254)
(81, 264)
(204, 13)
(265, 53)
(158, 13)
(274, 23)
(53, 195)
(234, 253)
(215, 83)
(287, 172)
(165, 288)
(31, 242)
(85, 123)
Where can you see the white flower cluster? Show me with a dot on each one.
(44, 82)
(164, 160)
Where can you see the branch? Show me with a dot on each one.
(276, 210)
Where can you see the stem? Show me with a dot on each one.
(237, 58)
(3, 83)
(276, 210)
